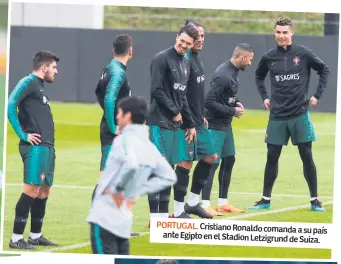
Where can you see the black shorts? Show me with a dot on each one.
(104, 242)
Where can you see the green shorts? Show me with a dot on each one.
(168, 143)
(39, 164)
(299, 129)
(105, 154)
(202, 148)
(223, 142)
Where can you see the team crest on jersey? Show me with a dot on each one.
(42, 176)
(296, 60)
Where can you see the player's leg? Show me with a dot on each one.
(32, 181)
(206, 192)
(123, 246)
(174, 155)
(105, 150)
(180, 188)
(218, 138)
(225, 173)
(205, 153)
(47, 160)
(303, 134)
(277, 135)
(163, 139)
(102, 241)
(186, 154)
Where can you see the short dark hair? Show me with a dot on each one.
(190, 31)
(43, 57)
(167, 261)
(242, 47)
(122, 44)
(137, 106)
(193, 23)
(284, 21)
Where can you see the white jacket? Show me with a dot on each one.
(134, 167)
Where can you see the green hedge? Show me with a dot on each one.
(146, 18)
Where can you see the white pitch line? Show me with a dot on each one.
(80, 245)
(244, 216)
(75, 246)
(292, 208)
(241, 193)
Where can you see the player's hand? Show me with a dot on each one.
(239, 112)
(118, 131)
(130, 203)
(205, 122)
(313, 101)
(191, 134)
(267, 104)
(118, 199)
(239, 104)
(178, 118)
(34, 139)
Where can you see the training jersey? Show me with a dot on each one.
(29, 111)
(196, 88)
(169, 75)
(131, 171)
(112, 86)
(222, 97)
(290, 71)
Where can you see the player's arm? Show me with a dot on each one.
(261, 72)
(162, 177)
(114, 85)
(211, 103)
(322, 70)
(123, 165)
(22, 90)
(186, 113)
(158, 71)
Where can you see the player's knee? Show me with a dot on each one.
(230, 160)
(187, 164)
(274, 152)
(211, 159)
(31, 190)
(305, 153)
(44, 192)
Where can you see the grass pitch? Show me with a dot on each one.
(77, 171)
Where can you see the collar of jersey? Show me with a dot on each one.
(120, 64)
(176, 53)
(284, 50)
(40, 80)
(231, 65)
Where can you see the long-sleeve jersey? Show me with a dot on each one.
(169, 75)
(222, 97)
(130, 171)
(289, 77)
(196, 88)
(29, 111)
(112, 86)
